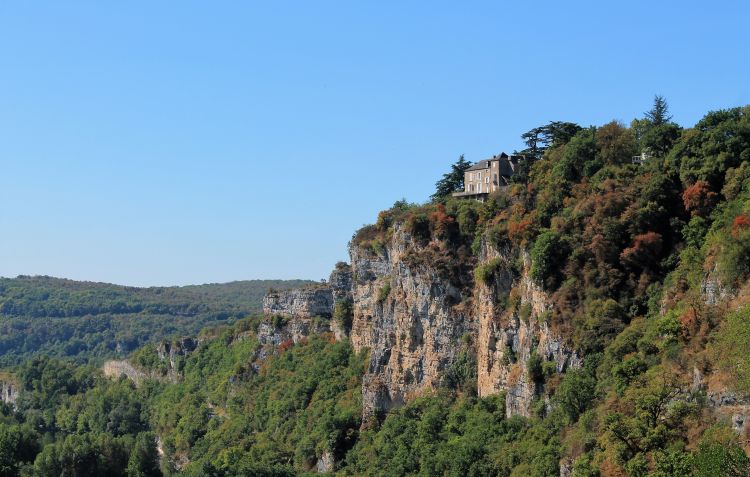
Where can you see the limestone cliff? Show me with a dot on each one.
(301, 302)
(416, 319)
(169, 353)
(514, 315)
(411, 318)
(9, 389)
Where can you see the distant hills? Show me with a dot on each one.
(42, 315)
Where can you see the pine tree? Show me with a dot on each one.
(144, 458)
(659, 114)
(452, 181)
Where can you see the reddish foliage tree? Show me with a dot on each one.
(285, 345)
(644, 252)
(443, 224)
(699, 199)
(740, 223)
(519, 231)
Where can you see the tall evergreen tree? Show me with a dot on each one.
(144, 458)
(656, 133)
(659, 113)
(452, 181)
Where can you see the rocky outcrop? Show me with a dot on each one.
(116, 369)
(168, 351)
(275, 332)
(341, 281)
(409, 317)
(713, 290)
(412, 320)
(300, 302)
(415, 320)
(172, 350)
(325, 463)
(514, 315)
(9, 391)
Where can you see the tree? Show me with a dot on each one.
(656, 133)
(547, 258)
(659, 113)
(576, 392)
(452, 181)
(552, 134)
(144, 458)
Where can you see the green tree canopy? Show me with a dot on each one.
(452, 181)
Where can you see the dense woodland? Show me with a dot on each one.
(625, 251)
(44, 316)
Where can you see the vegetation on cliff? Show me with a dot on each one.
(646, 266)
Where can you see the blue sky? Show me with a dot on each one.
(157, 143)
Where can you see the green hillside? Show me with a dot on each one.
(86, 320)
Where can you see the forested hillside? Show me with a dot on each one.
(592, 319)
(83, 320)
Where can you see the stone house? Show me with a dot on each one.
(489, 175)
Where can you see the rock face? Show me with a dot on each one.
(514, 324)
(167, 351)
(274, 332)
(340, 282)
(416, 320)
(300, 302)
(9, 391)
(171, 350)
(410, 318)
(115, 369)
(713, 290)
(416, 323)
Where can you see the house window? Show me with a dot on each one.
(479, 176)
(487, 180)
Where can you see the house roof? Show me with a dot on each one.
(507, 163)
(480, 165)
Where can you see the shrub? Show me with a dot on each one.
(534, 367)
(418, 225)
(733, 335)
(467, 220)
(383, 293)
(461, 375)
(487, 273)
(695, 231)
(602, 321)
(734, 258)
(343, 313)
(547, 259)
(740, 224)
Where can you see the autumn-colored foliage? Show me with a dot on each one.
(699, 199)
(285, 345)
(644, 251)
(520, 230)
(442, 223)
(740, 224)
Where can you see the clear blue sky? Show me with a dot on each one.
(155, 143)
